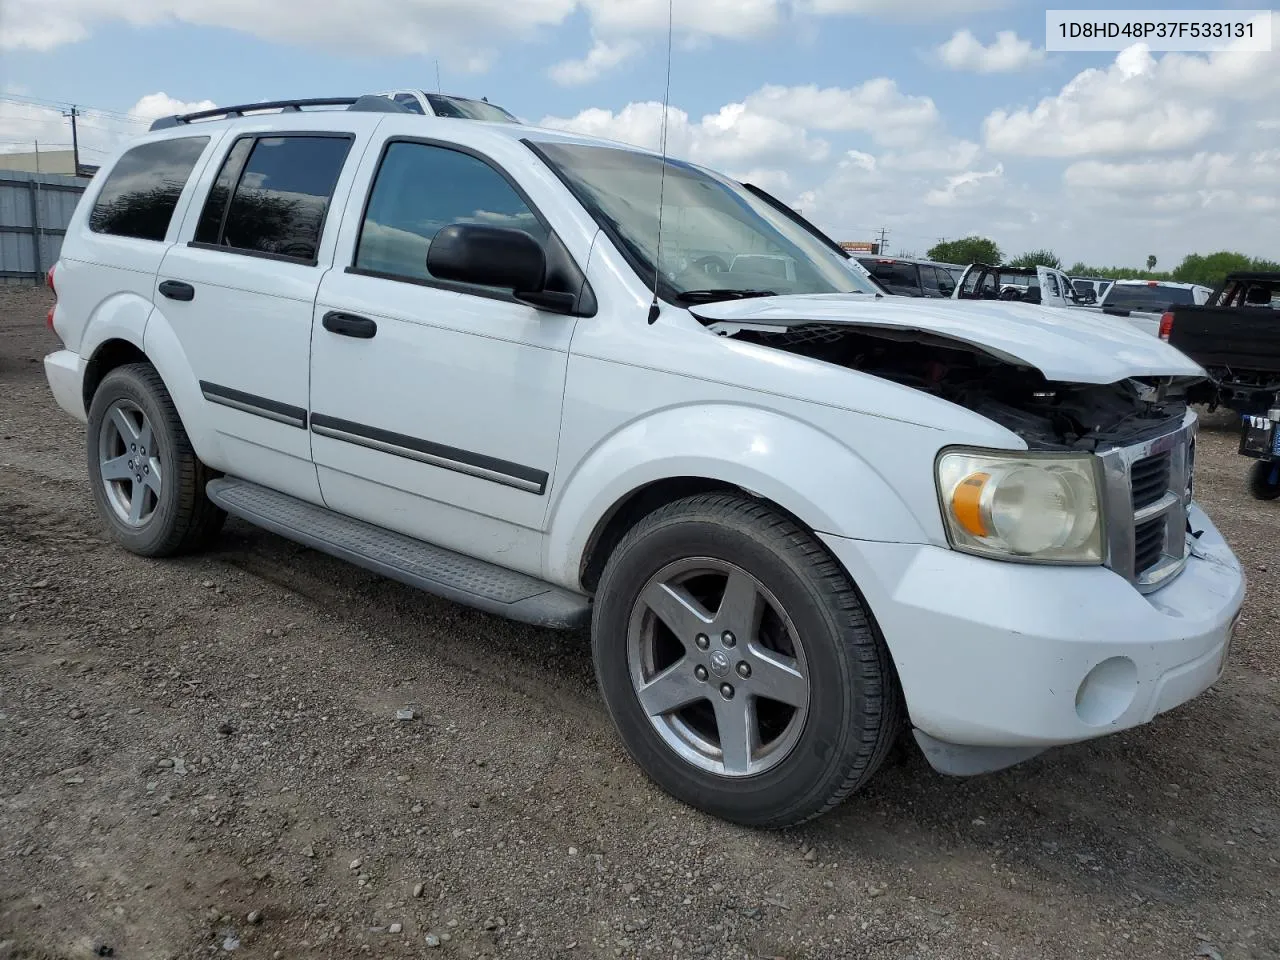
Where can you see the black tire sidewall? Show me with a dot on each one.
(155, 534)
(1260, 485)
(824, 755)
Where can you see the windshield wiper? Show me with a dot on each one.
(723, 293)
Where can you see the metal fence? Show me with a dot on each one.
(35, 209)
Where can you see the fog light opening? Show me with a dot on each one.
(1107, 692)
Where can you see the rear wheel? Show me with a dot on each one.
(1264, 479)
(147, 482)
(740, 664)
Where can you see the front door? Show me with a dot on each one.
(436, 407)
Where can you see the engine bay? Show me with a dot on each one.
(1048, 415)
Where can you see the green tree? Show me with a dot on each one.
(966, 251)
(1211, 269)
(1037, 258)
(1151, 262)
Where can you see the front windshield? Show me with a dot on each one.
(718, 240)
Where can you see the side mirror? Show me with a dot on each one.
(495, 257)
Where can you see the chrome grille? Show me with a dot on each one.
(1148, 544)
(1145, 498)
(1149, 479)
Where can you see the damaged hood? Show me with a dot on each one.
(1065, 345)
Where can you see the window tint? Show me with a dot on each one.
(215, 208)
(142, 190)
(946, 282)
(929, 281)
(410, 101)
(281, 198)
(1142, 296)
(421, 189)
(896, 276)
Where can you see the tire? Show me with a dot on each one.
(1261, 485)
(174, 516)
(807, 758)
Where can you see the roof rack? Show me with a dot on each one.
(364, 103)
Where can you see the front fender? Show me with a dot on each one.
(804, 470)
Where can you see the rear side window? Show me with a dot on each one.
(280, 198)
(142, 190)
(422, 188)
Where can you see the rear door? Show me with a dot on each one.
(1053, 291)
(241, 290)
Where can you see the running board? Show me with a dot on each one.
(433, 569)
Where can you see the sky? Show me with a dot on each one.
(928, 118)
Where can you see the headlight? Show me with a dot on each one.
(1031, 507)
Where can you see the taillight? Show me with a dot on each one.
(1166, 326)
(48, 277)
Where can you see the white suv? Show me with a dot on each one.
(797, 514)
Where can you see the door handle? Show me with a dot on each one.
(350, 325)
(177, 290)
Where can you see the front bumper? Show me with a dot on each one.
(1005, 655)
(65, 372)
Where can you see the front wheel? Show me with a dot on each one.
(1264, 479)
(740, 664)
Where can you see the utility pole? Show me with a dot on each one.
(884, 237)
(75, 139)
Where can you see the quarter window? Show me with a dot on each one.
(283, 187)
(421, 189)
(142, 190)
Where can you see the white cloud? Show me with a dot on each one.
(1197, 179)
(160, 104)
(1008, 53)
(967, 189)
(453, 28)
(903, 10)
(1138, 103)
(716, 18)
(876, 107)
(600, 59)
(736, 138)
(22, 125)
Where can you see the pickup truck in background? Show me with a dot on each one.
(1235, 336)
(1144, 302)
(1042, 285)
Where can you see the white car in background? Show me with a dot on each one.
(446, 105)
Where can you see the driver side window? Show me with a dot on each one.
(420, 189)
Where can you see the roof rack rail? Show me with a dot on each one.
(284, 106)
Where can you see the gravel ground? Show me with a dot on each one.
(202, 756)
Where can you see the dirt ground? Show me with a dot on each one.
(202, 756)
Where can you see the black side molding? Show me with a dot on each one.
(251, 403)
(478, 465)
